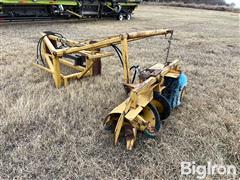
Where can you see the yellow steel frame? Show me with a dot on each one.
(55, 57)
(141, 94)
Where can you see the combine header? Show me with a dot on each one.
(159, 90)
(52, 9)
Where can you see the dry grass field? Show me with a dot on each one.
(48, 133)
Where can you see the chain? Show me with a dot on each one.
(168, 48)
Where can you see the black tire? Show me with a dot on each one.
(120, 17)
(166, 111)
(118, 8)
(129, 17)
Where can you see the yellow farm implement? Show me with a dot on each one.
(159, 90)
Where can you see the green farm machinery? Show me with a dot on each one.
(66, 9)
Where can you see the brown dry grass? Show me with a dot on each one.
(50, 133)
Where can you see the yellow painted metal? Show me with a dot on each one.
(126, 72)
(139, 115)
(145, 92)
(57, 74)
(42, 67)
(148, 116)
(142, 123)
(131, 141)
(158, 105)
(90, 49)
(118, 128)
(119, 109)
(173, 74)
(132, 114)
(54, 61)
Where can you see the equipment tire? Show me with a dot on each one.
(118, 8)
(129, 17)
(120, 17)
(161, 104)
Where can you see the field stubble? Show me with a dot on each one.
(47, 132)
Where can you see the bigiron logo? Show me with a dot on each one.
(202, 171)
